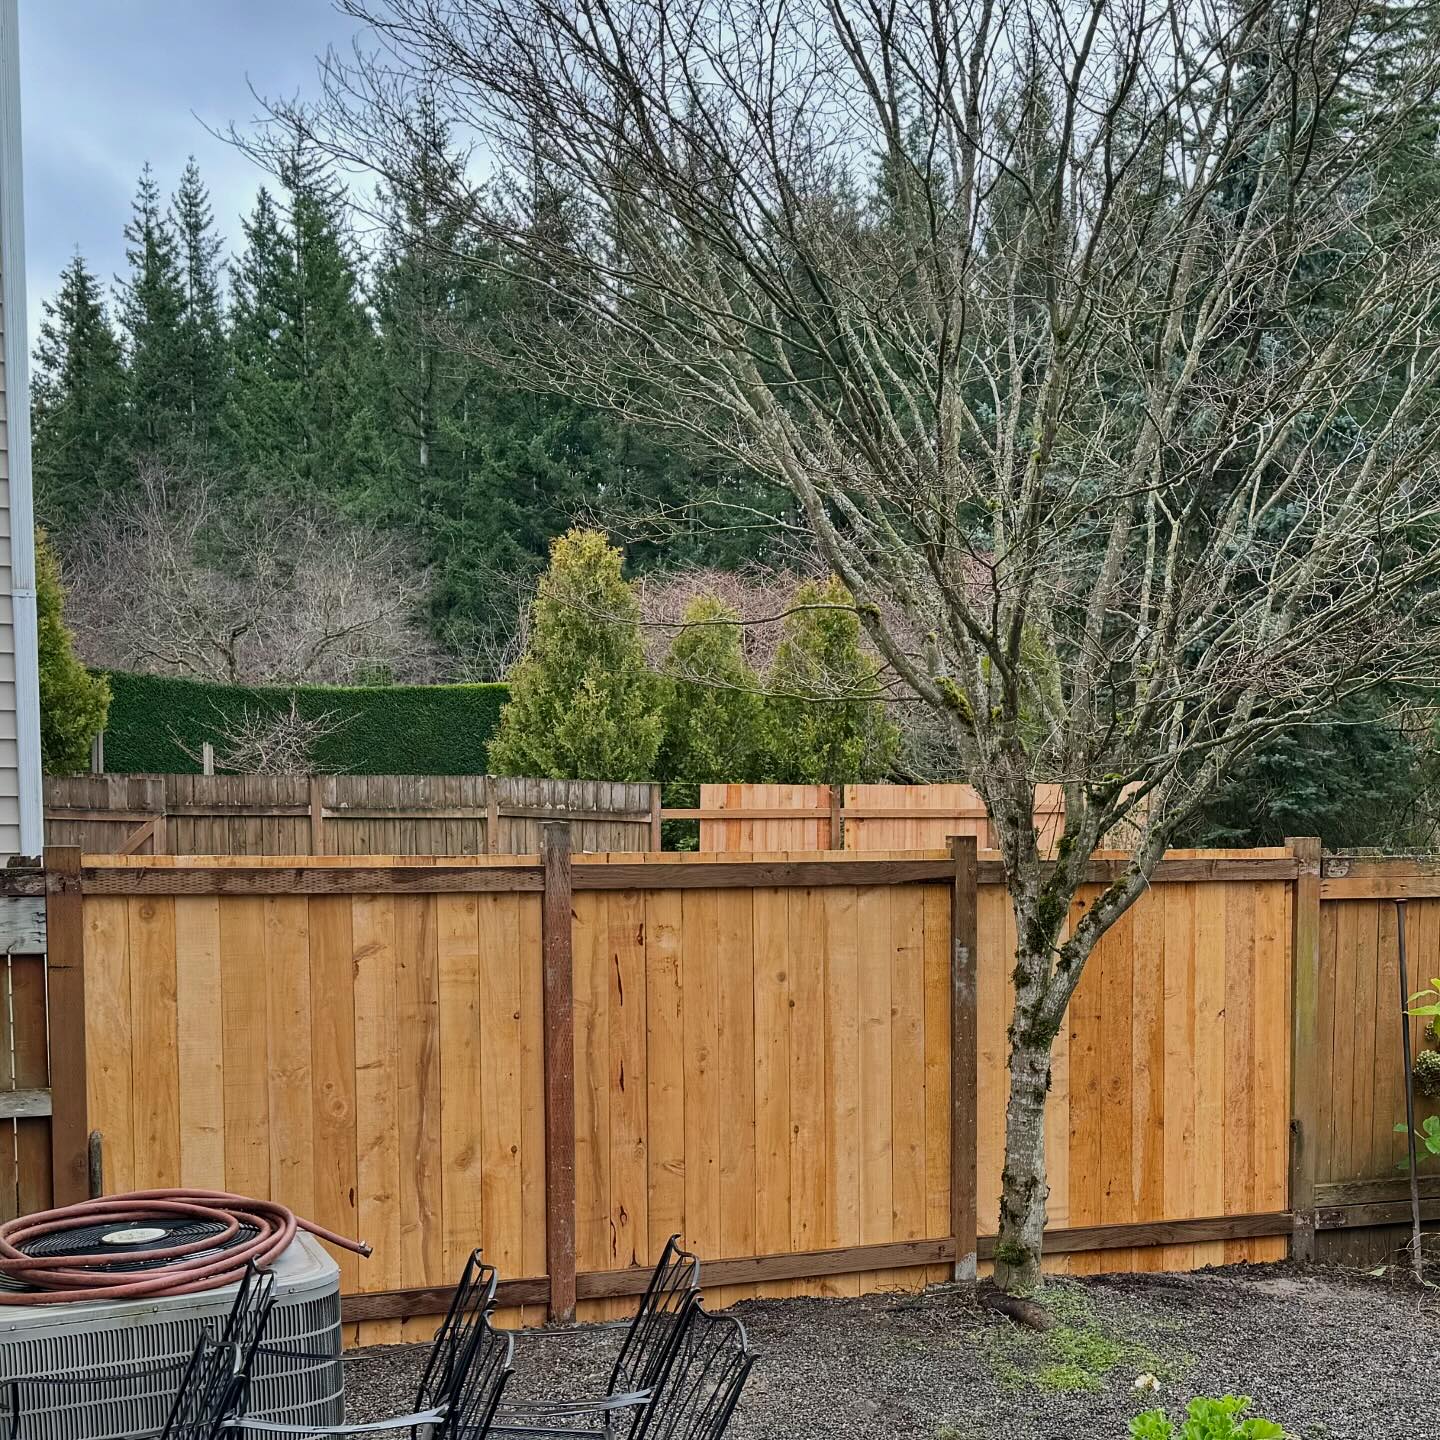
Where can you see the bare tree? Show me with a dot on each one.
(1113, 374)
(261, 741)
(180, 580)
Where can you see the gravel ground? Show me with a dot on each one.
(1331, 1355)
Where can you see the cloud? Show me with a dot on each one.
(109, 84)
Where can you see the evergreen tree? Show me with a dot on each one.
(73, 703)
(715, 717)
(828, 720)
(152, 302)
(583, 703)
(258, 415)
(301, 417)
(79, 399)
(200, 349)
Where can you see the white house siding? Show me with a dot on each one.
(17, 791)
(9, 762)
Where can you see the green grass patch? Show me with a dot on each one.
(1079, 1353)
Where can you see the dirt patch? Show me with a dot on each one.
(1330, 1355)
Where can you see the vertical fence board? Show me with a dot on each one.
(772, 1078)
(201, 1031)
(735, 1025)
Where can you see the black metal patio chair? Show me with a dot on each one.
(693, 1398)
(465, 1374)
(639, 1368)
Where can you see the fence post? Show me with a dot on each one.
(65, 967)
(964, 1086)
(656, 843)
(492, 815)
(837, 817)
(559, 1016)
(1304, 1051)
(317, 815)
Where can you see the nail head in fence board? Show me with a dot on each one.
(65, 937)
(559, 1010)
(964, 1086)
(1304, 1044)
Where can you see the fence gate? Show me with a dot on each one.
(1351, 1196)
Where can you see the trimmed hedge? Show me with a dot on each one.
(387, 730)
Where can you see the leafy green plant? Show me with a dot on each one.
(1223, 1419)
(1431, 996)
(1427, 1139)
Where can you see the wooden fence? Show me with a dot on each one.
(746, 818)
(797, 1061)
(1352, 1198)
(343, 814)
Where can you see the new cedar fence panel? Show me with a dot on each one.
(1170, 1093)
(368, 1058)
(748, 818)
(922, 817)
(763, 820)
(756, 1068)
(269, 815)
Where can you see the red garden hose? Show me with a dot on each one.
(62, 1278)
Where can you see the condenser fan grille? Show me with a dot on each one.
(135, 1242)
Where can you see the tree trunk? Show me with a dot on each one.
(1024, 1189)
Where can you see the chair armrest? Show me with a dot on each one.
(599, 1405)
(349, 1427)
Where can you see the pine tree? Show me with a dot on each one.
(715, 719)
(258, 415)
(301, 418)
(73, 703)
(583, 703)
(79, 399)
(200, 351)
(828, 720)
(152, 302)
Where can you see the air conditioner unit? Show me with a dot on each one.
(296, 1379)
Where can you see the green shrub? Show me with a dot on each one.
(389, 730)
(828, 719)
(72, 701)
(715, 714)
(584, 704)
(1222, 1419)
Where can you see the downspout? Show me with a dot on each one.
(17, 405)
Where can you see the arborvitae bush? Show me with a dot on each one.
(584, 704)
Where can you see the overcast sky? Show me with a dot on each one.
(109, 84)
